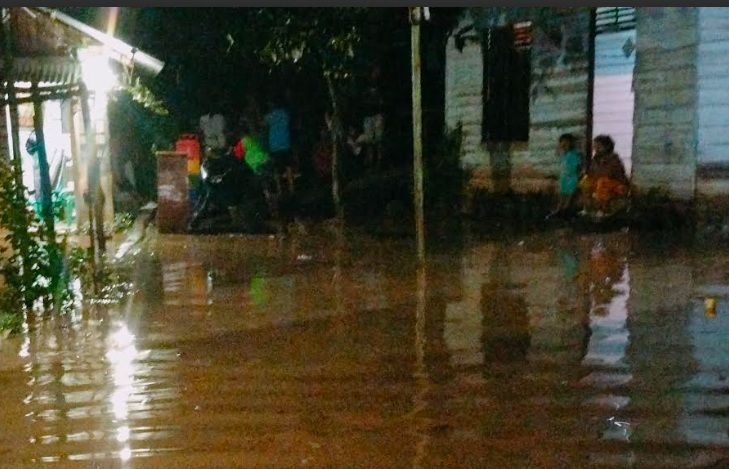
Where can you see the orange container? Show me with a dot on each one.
(190, 144)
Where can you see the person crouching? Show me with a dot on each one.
(605, 180)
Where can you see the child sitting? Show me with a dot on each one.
(570, 161)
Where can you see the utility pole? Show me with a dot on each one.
(417, 15)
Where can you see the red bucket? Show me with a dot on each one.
(190, 144)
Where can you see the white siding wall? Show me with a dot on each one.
(664, 150)
(680, 113)
(613, 96)
(560, 106)
(712, 77)
(463, 97)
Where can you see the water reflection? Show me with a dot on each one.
(422, 378)
(577, 337)
(90, 391)
(239, 352)
(705, 417)
(506, 332)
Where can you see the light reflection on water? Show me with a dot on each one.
(89, 391)
(253, 351)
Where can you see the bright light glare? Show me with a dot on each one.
(121, 355)
(125, 454)
(96, 71)
(122, 434)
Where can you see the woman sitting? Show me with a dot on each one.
(605, 182)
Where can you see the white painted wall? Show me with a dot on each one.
(712, 75)
(463, 96)
(57, 144)
(613, 99)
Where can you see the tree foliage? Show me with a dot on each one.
(328, 39)
(37, 266)
(144, 96)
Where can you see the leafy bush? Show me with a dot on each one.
(31, 261)
(37, 267)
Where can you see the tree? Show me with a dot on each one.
(329, 40)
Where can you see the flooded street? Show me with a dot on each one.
(544, 350)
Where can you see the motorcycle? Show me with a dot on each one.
(232, 198)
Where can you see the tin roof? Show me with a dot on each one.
(37, 35)
(120, 50)
(57, 70)
(44, 42)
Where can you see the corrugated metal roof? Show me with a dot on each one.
(44, 41)
(35, 35)
(122, 51)
(55, 70)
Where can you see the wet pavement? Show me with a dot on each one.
(547, 350)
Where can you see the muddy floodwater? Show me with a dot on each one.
(541, 350)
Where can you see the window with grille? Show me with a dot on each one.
(612, 19)
(506, 85)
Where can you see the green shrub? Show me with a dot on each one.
(31, 261)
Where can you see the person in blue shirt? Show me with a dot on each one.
(570, 163)
(278, 121)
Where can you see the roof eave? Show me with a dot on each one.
(121, 49)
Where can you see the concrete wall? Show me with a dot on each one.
(713, 102)
(559, 105)
(665, 119)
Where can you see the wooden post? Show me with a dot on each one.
(590, 87)
(96, 225)
(12, 98)
(80, 181)
(46, 190)
(46, 193)
(106, 175)
(415, 18)
(15, 134)
(336, 135)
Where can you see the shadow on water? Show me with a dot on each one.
(338, 351)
